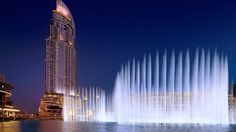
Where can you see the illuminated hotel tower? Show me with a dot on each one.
(61, 53)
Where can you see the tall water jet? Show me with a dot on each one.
(177, 90)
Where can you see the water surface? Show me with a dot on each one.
(60, 126)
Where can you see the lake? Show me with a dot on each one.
(60, 126)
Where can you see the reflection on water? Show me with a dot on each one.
(60, 126)
(11, 126)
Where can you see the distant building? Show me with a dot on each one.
(6, 107)
(232, 103)
(60, 61)
(233, 90)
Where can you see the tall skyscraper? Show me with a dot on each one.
(60, 63)
(61, 53)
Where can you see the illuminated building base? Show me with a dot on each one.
(51, 106)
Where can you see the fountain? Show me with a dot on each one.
(175, 90)
(88, 105)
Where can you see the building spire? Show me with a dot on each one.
(58, 2)
(63, 9)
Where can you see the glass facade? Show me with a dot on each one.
(61, 53)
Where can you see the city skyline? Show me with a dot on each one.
(107, 35)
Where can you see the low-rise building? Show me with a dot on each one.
(7, 111)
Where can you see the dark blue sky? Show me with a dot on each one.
(109, 33)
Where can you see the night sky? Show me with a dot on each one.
(109, 33)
